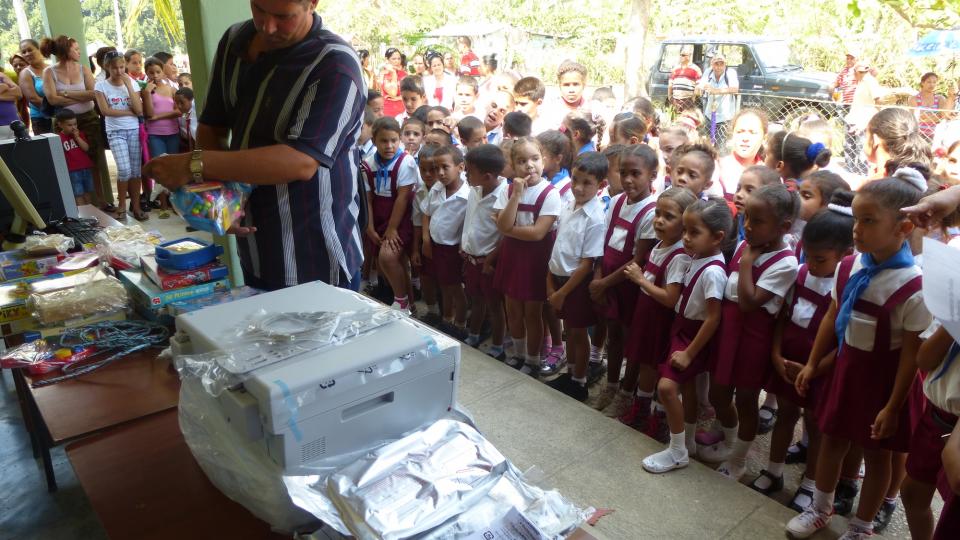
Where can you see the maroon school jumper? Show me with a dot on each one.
(742, 354)
(796, 343)
(622, 297)
(649, 335)
(683, 332)
(522, 267)
(863, 380)
(383, 206)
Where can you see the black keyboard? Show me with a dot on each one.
(82, 230)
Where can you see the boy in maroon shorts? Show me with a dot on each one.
(480, 245)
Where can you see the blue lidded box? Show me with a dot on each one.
(186, 254)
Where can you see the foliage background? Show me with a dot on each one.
(145, 35)
(595, 32)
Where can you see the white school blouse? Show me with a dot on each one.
(910, 316)
(579, 236)
(778, 279)
(804, 310)
(644, 231)
(408, 175)
(551, 204)
(675, 270)
(710, 285)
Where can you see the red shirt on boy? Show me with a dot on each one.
(77, 159)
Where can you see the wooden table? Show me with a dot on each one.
(143, 482)
(131, 388)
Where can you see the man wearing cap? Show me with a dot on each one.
(720, 86)
(683, 81)
(862, 108)
(846, 83)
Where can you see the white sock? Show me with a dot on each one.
(581, 380)
(595, 354)
(739, 455)
(771, 401)
(614, 385)
(658, 407)
(690, 435)
(730, 435)
(374, 278)
(861, 524)
(808, 484)
(433, 309)
(533, 360)
(775, 469)
(678, 445)
(823, 501)
(642, 394)
(513, 350)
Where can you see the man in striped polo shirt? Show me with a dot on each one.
(290, 95)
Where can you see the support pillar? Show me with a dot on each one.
(64, 17)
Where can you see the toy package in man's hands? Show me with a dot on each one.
(211, 206)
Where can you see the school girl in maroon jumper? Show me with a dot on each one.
(706, 225)
(877, 314)
(938, 358)
(660, 282)
(828, 236)
(392, 176)
(762, 271)
(579, 243)
(527, 212)
(630, 237)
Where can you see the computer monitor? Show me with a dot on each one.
(40, 169)
(23, 210)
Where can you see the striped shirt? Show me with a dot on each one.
(847, 84)
(309, 96)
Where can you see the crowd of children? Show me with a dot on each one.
(566, 233)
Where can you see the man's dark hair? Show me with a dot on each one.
(487, 158)
(185, 93)
(517, 124)
(163, 56)
(468, 126)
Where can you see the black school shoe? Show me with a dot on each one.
(595, 372)
(884, 516)
(776, 483)
(847, 491)
(565, 384)
(797, 453)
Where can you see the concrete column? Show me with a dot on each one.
(204, 22)
(64, 17)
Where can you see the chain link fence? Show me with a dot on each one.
(790, 113)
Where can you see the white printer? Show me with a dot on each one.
(333, 399)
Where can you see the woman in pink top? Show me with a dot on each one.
(162, 115)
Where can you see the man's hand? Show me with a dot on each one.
(240, 230)
(171, 170)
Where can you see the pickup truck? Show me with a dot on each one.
(768, 79)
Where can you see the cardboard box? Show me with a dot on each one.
(47, 332)
(146, 292)
(169, 281)
(13, 298)
(17, 264)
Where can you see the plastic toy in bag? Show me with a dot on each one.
(211, 206)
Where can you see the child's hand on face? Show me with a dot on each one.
(519, 184)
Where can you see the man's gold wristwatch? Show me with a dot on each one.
(196, 165)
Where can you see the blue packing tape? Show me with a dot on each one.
(431, 346)
(292, 407)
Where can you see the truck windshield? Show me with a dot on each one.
(774, 55)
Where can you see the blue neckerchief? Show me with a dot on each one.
(740, 233)
(803, 256)
(382, 175)
(861, 280)
(561, 174)
(606, 202)
(951, 356)
(589, 147)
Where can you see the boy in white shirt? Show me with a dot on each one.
(443, 216)
(580, 239)
(480, 244)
